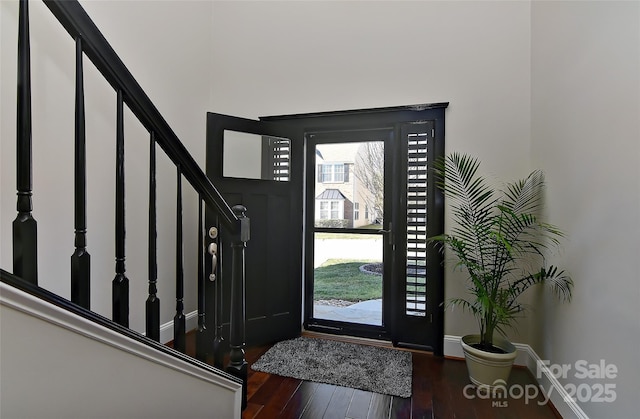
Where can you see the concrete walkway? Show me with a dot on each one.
(364, 312)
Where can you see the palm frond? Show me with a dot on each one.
(558, 280)
(498, 236)
(524, 196)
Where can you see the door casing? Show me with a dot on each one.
(426, 332)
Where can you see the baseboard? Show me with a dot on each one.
(527, 357)
(166, 329)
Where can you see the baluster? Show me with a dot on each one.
(25, 229)
(201, 342)
(120, 288)
(238, 364)
(179, 323)
(80, 260)
(152, 313)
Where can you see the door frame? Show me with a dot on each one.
(396, 116)
(334, 326)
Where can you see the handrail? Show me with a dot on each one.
(78, 24)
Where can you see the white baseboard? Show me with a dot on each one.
(527, 357)
(166, 329)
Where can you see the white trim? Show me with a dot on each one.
(166, 329)
(33, 306)
(527, 357)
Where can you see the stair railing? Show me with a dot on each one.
(90, 42)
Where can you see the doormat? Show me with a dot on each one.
(369, 368)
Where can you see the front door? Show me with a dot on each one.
(296, 176)
(253, 164)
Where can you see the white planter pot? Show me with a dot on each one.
(486, 368)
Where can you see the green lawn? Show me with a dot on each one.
(341, 279)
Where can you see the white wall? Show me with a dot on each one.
(276, 58)
(162, 43)
(586, 136)
(58, 365)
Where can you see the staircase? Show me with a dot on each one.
(65, 342)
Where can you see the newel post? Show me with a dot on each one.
(238, 364)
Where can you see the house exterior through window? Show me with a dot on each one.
(332, 172)
(339, 191)
(331, 210)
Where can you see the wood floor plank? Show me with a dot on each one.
(525, 402)
(450, 399)
(339, 403)
(299, 401)
(400, 408)
(267, 389)
(255, 381)
(280, 398)
(359, 406)
(319, 402)
(251, 411)
(380, 406)
(422, 396)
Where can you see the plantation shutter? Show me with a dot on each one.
(275, 158)
(281, 159)
(416, 269)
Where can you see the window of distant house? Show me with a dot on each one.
(366, 212)
(356, 210)
(331, 173)
(331, 210)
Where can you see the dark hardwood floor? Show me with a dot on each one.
(438, 392)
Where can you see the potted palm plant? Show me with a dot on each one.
(501, 243)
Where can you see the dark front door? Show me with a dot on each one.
(253, 164)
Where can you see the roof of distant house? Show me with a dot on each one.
(331, 194)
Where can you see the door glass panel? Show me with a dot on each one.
(348, 277)
(252, 156)
(349, 196)
(349, 185)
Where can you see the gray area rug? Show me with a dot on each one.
(370, 368)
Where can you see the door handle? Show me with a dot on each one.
(213, 251)
(388, 233)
